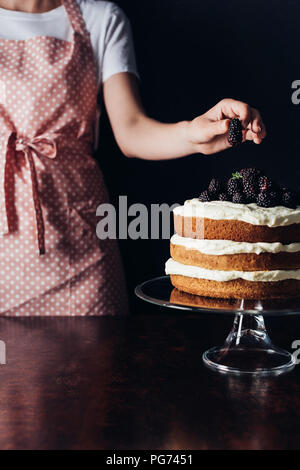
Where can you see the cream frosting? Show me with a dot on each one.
(250, 213)
(173, 267)
(228, 247)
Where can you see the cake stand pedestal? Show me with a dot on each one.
(248, 348)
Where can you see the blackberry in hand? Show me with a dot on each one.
(235, 135)
(214, 186)
(238, 198)
(204, 196)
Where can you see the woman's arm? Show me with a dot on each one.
(140, 136)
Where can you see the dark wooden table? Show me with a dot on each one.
(138, 383)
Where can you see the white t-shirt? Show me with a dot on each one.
(108, 26)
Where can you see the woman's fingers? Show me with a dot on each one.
(250, 135)
(215, 128)
(256, 125)
(210, 131)
(204, 130)
(250, 117)
(236, 109)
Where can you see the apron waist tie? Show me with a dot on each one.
(43, 145)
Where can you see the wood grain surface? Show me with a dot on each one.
(138, 383)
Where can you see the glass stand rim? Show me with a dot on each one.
(222, 368)
(159, 291)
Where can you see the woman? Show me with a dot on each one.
(55, 56)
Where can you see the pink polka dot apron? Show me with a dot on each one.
(51, 261)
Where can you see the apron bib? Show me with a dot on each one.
(51, 261)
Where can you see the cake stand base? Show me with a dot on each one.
(249, 350)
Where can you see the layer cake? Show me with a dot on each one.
(227, 250)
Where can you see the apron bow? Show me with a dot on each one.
(43, 145)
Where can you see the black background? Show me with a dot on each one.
(190, 55)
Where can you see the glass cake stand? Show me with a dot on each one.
(248, 348)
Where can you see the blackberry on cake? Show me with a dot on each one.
(224, 197)
(265, 184)
(267, 199)
(238, 198)
(275, 198)
(234, 184)
(250, 181)
(215, 186)
(235, 135)
(250, 193)
(250, 187)
(289, 199)
(204, 196)
(250, 172)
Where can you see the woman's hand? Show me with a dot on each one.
(208, 132)
(140, 136)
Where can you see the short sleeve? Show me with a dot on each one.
(118, 50)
